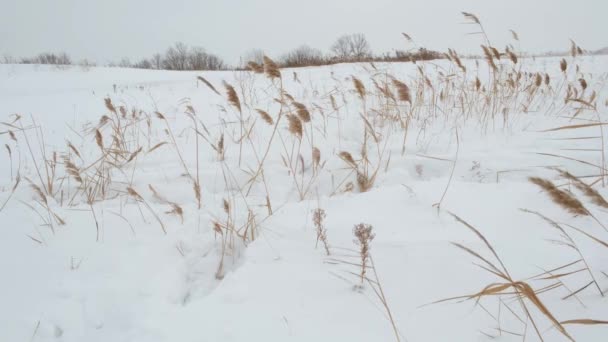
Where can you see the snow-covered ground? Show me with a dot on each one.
(111, 274)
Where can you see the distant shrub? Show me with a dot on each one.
(421, 55)
(48, 58)
(303, 56)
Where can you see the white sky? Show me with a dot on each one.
(105, 30)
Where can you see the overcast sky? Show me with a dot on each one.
(104, 30)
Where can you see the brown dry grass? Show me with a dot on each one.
(560, 197)
(506, 286)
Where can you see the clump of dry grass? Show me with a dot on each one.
(568, 241)
(318, 218)
(507, 286)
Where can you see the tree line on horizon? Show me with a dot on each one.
(348, 48)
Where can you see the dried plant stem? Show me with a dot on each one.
(29, 147)
(97, 235)
(438, 204)
(570, 243)
(274, 131)
(318, 220)
(522, 290)
(17, 181)
(380, 294)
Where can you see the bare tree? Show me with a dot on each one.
(198, 59)
(8, 59)
(215, 63)
(340, 48)
(176, 57)
(359, 46)
(157, 61)
(351, 46)
(125, 63)
(144, 64)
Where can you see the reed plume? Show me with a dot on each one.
(560, 197)
(233, 98)
(295, 125)
(359, 87)
(265, 116)
(593, 195)
(208, 84)
(403, 91)
(271, 68)
(302, 112)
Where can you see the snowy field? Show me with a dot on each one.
(105, 238)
